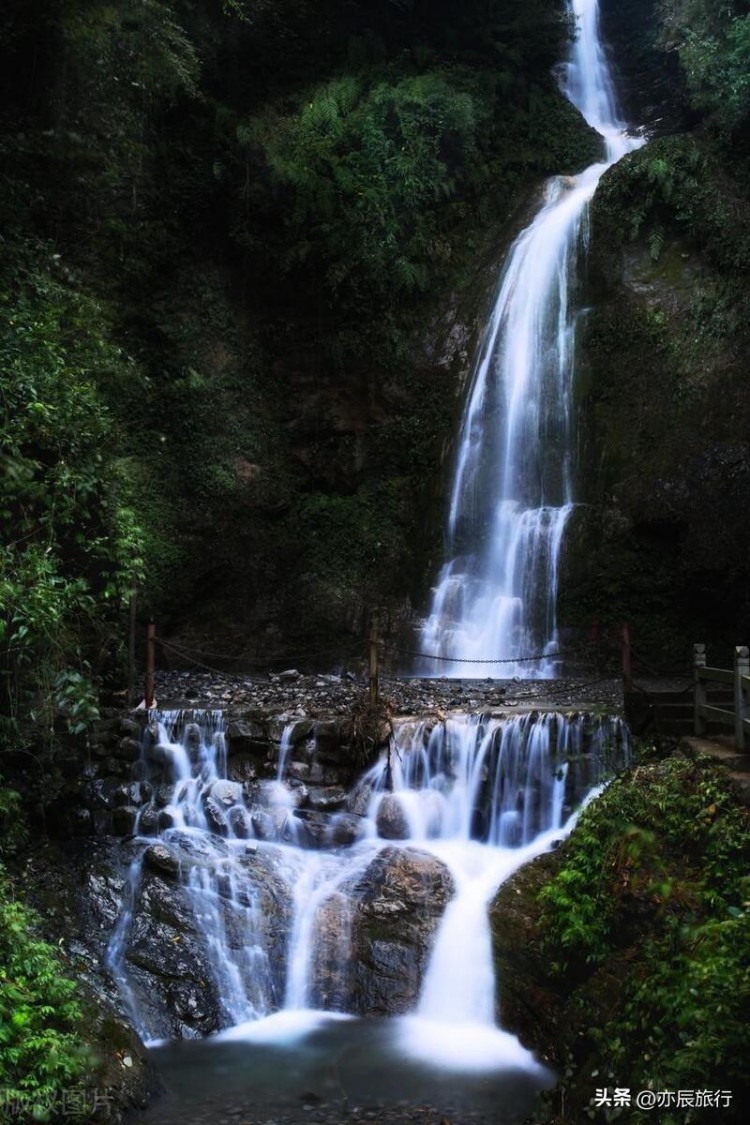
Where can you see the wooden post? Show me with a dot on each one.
(699, 691)
(131, 644)
(627, 659)
(741, 668)
(150, 664)
(374, 653)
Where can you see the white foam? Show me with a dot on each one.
(283, 1027)
(466, 1047)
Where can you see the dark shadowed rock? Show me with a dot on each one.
(161, 859)
(123, 820)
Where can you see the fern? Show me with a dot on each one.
(656, 242)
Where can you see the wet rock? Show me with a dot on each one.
(215, 815)
(130, 728)
(359, 799)
(400, 899)
(128, 794)
(225, 793)
(239, 822)
(327, 731)
(262, 823)
(167, 819)
(299, 793)
(391, 819)
(302, 730)
(242, 767)
(270, 825)
(167, 902)
(527, 1003)
(163, 794)
(148, 824)
(327, 800)
(101, 793)
(332, 960)
(315, 828)
(128, 749)
(104, 897)
(347, 829)
(194, 1006)
(123, 820)
(290, 676)
(160, 858)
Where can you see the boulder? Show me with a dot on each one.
(400, 899)
(329, 799)
(390, 819)
(347, 829)
(123, 820)
(225, 793)
(216, 816)
(160, 858)
(239, 822)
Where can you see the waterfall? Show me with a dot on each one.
(478, 795)
(513, 485)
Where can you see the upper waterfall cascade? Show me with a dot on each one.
(513, 486)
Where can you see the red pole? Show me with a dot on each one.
(627, 664)
(150, 663)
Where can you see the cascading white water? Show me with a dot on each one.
(513, 487)
(482, 794)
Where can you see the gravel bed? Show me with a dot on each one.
(295, 693)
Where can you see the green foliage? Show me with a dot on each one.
(378, 176)
(662, 854)
(356, 540)
(259, 193)
(713, 43)
(13, 831)
(365, 172)
(41, 1052)
(71, 545)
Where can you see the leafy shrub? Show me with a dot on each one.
(658, 866)
(40, 1049)
(72, 547)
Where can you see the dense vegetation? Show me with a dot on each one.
(646, 928)
(227, 227)
(41, 1050)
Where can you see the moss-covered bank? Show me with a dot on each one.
(665, 540)
(624, 957)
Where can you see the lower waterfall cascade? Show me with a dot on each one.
(458, 805)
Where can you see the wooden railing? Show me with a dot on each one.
(738, 679)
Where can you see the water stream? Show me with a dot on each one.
(514, 480)
(280, 895)
(476, 796)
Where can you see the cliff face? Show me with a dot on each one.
(260, 238)
(274, 226)
(665, 424)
